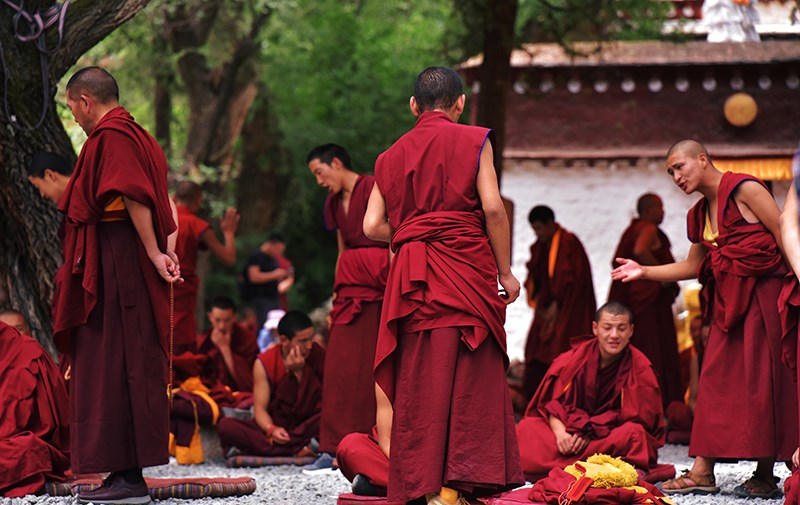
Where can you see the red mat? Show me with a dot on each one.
(214, 487)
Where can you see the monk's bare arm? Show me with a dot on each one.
(172, 239)
(496, 221)
(142, 218)
(644, 246)
(383, 420)
(790, 230)
(226, 252)
(261, 395)
(630, 270)
(760, 202)
(376, 223)
(256, 276)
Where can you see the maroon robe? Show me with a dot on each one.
(440, 356)
(34, 418)
(742, 378)
(190, 229)
(293, 405)
(111, 307)
(618, 409)
(571, 289)
(348, 399)
(651, 302)
(359, 453)
(244, 350)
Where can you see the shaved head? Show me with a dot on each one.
(689, 147)
(647, 202)
(187, 191)
(94, 82)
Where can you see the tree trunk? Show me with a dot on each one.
(31, 252)
(495, 72)
(262, 181)
(162, 94)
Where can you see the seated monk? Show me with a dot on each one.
(287, 395)
(601, 396)
(364, 459)
(34, 420)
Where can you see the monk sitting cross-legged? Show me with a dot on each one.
(287, 395)
(601, 396)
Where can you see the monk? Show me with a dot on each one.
(348, 401)
(651, 302)
(34, 420)
(111, 300)
(263, 275)
(441, 355)
(230, 349)
(50, 173)
(364, 459)
(736, 255)
(195, 234)
(560, 289)
(16, 320)
(601, 396)
(287, 395)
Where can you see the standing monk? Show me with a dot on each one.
(111, 301)
(195, 234)
(746, 403)
(561, 292)
(441, 353)
(348, 401)
(651, 302)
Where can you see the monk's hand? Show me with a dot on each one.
(295, 360)
(221, 339)
(564, 442)
(510, 285)
(628, 270)
(579, 444)
(230, 221)
(280, 435)
(167, 268)
(796, 458)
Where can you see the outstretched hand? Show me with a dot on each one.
(230, 221)
(627, 271)
(167, 267)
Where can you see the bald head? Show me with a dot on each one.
(650, 207)
(94, 82)
(187, 192)
(689, 147)
(16, 319)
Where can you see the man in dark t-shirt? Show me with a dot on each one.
(261, 276)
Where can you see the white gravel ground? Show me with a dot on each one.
(288, 484)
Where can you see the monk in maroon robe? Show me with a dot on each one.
(287, 395)
(560, 289)
(348, 402)
(441, 356)
(34, 420)
(599, 397)
(746, 402)
(195, 234)
(111, 301)
(230, 350)
(651, 302)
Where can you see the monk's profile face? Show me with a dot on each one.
(17, 321)
(221, 319)
(329, 176)
(687, 169)
(79, 106)
(544, 231)
(613, 332)
(302, 341)
(48, 186)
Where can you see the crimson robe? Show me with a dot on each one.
(110, 306)
(742, 377)
(348, 400)
(570, 287)
(190, 229)
(651, 302)
(244, 350)
(293, 405)
(440, 356)
(359, 453)
(34, 418)
(618, 409)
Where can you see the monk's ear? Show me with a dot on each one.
(462, 100)
(594, 328)
(49, 174)
(412, 103)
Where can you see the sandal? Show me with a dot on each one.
(757, 487)
(688, 483)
